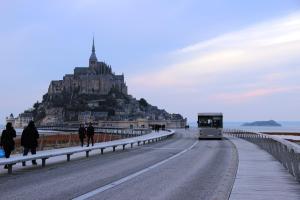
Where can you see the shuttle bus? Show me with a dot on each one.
(210, 125)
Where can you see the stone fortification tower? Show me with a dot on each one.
(96, 79)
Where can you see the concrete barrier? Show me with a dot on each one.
(44, 155)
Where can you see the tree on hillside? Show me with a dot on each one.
(143, 102)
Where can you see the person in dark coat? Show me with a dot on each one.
(29, 140)
(90, 134)
(7, 140)
(81, 133)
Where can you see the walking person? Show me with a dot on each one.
(90, 134)
(29, 141)
(7, 140)
(81, 132)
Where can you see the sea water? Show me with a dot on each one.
(286, 126)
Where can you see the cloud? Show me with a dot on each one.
(249, 95)
(254, 63)
(265, 45)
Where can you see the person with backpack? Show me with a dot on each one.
(29, 140)
(7, 140)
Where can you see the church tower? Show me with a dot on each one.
(93, 58)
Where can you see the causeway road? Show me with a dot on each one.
(181, 167)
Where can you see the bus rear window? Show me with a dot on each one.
(210, 122)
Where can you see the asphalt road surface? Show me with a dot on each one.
(177, 168)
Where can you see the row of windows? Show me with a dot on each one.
(210, 122)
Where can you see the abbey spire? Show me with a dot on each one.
(93, 48)
(93, 58)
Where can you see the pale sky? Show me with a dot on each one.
(241, 58)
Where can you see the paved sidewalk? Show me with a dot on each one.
(260, 176)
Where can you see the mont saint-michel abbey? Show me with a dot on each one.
(97, 78)
(94, 94)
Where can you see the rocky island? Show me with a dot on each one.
(95, 94)
(262, 123)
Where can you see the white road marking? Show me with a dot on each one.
(131, 176)
(162, 148)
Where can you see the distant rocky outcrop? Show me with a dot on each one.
(262, 123)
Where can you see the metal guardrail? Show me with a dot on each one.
(286, 152)
(44, 155)
(113, 130)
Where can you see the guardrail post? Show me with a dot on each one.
(44, 162)
(270, 146)
(296, 165)
(9, 168)
(284, 157)
(68, 157)
(280, 153)
(293, 161)
(274, 149)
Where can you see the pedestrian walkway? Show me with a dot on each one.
(44, 155)
(260, 176)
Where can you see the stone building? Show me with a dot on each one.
(97, 78)
(21, 121)
(96, 94)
